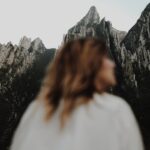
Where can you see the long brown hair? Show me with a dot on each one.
(71, 76)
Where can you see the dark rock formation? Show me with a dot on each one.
(21, 69)
(136, 66)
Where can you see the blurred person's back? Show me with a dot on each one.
(73, 111)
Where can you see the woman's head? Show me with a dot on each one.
(80, 68)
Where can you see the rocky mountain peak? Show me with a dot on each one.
(38, 45)
(91, 17)
(25, 42)
(35, 45)
(146, 11)
(85, 27)
(139, 35)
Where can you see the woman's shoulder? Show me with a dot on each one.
(34, 107)
(112, 102)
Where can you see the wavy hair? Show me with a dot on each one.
(71, 76)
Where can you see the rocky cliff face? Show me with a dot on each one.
(21, 70)
(136, 65)
(136, 49)
(131, 52)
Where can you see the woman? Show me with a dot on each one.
(73, 111)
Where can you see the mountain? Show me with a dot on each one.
(136, 66)
(21, 70)
(136, 48)
(92, 26)
(91, 17)
(131, 52)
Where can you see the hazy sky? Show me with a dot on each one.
(49, 19)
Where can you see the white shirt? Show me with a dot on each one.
(106, 123)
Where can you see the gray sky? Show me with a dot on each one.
(49, 19)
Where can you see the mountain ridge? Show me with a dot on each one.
(22, 68)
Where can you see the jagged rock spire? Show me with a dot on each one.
(25, 42)
(38, 45)
(91, 17)
(138, 36)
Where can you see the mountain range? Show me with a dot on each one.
(22, 68)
